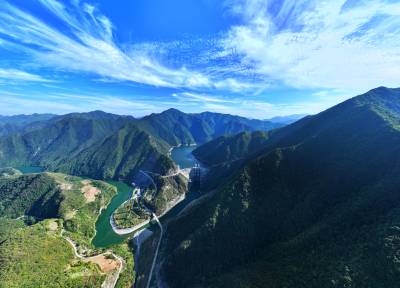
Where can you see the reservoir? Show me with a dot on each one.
(183, 156)
(30, 169)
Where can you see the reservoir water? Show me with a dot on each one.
(185, 159)
(183, 156)
(30, 169)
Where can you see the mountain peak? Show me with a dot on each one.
(172, 111)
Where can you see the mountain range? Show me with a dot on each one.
(108, 146)
(313, 204)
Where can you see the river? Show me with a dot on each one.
(105, 236)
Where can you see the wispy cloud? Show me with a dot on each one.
(308, 45)
(18, 102)
(19, 75)
(319, 44)
(61, 103)
(86, 44)
(201, 98)
(257, 108)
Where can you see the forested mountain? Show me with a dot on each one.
(108, 146)
(176, 127)
(56, 138)
(19, 123)
(49, 195)
(24, 119)
(230, 148)
(120, 156)
(316, 206)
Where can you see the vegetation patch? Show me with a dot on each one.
(43, 247)
(130, 214)
(159, 199)
(37, 256)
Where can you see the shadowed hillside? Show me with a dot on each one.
(316, 206)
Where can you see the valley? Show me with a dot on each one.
(199, 144)
(251, 207)
(104, 244)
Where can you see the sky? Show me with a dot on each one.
(254, 58)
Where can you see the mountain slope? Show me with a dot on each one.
(176, 127)
(231, 148)
(106, 146)
(54, 195)
(56, 138)
(317, 206)
(19, 123)
(120, 156)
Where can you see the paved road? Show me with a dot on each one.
(156, 253)
(179, 171)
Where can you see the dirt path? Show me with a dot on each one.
(107, 266)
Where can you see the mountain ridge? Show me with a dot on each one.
(320, 191)
(68, 143)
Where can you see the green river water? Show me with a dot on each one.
(105, 236)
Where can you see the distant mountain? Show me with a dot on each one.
(176, 127)
(17, 123)
(55, 139)
(25, 119)
(119, 156)
(317, 205)
(289, 119)
(107, 146)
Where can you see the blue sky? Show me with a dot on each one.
(249, 57)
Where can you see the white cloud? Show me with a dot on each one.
(327, 45)
(19, 75)
(256, 108)
(201, 98)
(320, 44)
(17, 102)
(88, 46)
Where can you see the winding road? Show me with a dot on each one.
(111, 279)
(153, 264)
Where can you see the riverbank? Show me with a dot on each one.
(127, 231)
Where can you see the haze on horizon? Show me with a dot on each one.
(252, 58)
